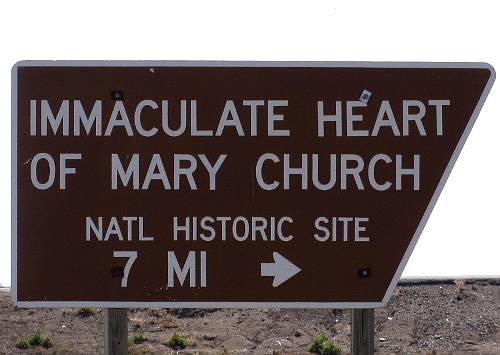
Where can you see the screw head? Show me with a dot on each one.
(364, 272)
(117, 95)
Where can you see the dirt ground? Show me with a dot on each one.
(441, 318)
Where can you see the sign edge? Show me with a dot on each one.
(442, 181)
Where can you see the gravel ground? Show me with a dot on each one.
(440, 318)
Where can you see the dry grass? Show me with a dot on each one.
(168, 323)
(156, 312)
(137, 322)
(460, 287)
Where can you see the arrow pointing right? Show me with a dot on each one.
(282, 269)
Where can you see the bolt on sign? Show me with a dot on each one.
(229, 184)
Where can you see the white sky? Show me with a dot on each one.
(461, 236)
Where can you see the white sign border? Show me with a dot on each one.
(147, 63)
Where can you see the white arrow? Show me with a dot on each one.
(282, 269)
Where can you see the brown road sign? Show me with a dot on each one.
(229, 184)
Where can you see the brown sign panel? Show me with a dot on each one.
(229, 184)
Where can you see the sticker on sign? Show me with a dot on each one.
(228, 184)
